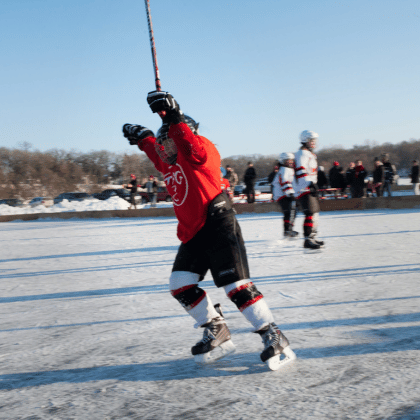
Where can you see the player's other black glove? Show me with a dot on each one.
(134, 133)
(164, 101)
(313, 188)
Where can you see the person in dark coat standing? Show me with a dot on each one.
(378, 178)
(350, 177)
(334, 176)
(249, 180)
(132, 186)
(359, 180)
(322, 180)
(342, 184)
(415, 177)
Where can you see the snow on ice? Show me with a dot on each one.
(89, 330)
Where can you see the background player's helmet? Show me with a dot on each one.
(286, 156)
(385, 157)
(165, 146)
(192, 124)
(307, 135)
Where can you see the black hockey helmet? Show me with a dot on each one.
(165, 146)
(192, 124)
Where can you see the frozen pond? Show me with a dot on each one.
(89, 330)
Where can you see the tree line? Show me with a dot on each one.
(26, 173)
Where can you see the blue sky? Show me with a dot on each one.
(253, 73)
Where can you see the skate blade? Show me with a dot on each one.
(223, 350)
(312, 251)
(276, 363)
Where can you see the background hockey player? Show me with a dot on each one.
(210, 235)
(307, 188)
(284, 193)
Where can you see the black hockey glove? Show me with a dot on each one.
(135, 133)
(313, 188)
(164, 101)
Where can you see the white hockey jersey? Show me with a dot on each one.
(306, 171)
(283, 183)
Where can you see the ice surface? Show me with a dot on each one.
(88, 329)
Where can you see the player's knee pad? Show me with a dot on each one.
(250, 302)
(243, 294)
(184, 288)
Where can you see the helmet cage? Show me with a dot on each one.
(192, 124)
(165, 146)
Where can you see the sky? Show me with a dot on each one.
(255, 74)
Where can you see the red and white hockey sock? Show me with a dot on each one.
(308, 226)
(184, 288)
(250, 302)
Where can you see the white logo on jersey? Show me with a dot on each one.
(177, 184)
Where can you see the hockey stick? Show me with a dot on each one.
(152, 45)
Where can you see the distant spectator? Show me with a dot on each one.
(132, 186)
(249, 180)
(390, 172)
(415, 177)
(378, 178)
(322, 180)
(232, 177)
(151, 187)
(342, 184)
(350, 173)
(359, 180)
(272, 175)
(335, 178)
(333, 175)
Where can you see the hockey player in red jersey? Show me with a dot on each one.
(284, 193)
(307, 188)
(210, 236)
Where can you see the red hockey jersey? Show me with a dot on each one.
(193, 181)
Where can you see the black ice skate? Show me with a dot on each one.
(290, 234)
(275, 345)
(216, 342)
(310, 245)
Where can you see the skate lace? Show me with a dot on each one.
(271, 337)
(209, 333)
